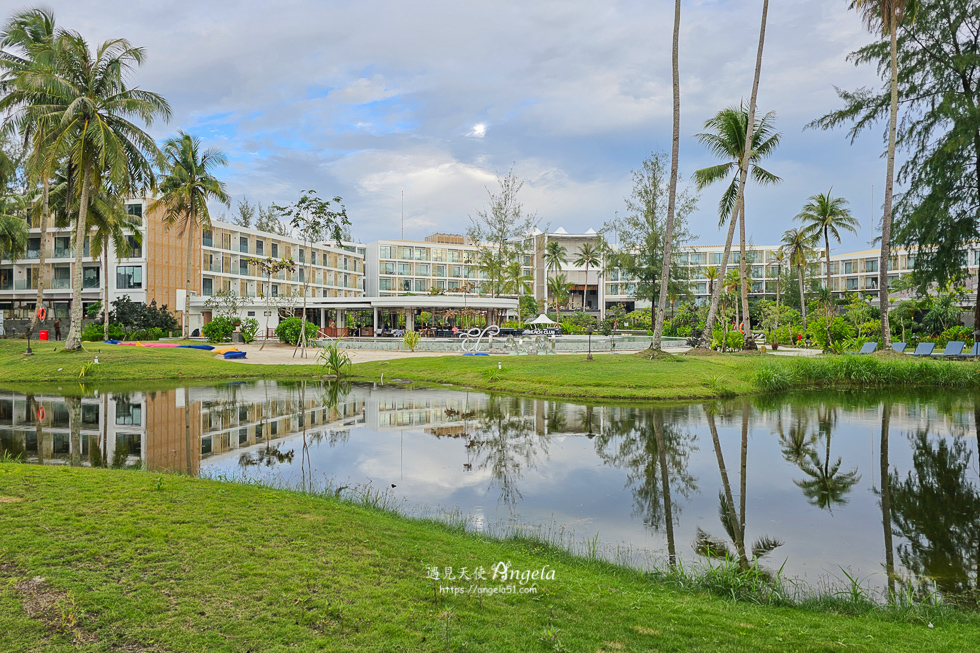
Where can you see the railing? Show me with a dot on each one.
(214, 267)
(60, 252)
(25, 284)
(33, 254)
(90, 283)
(60, 284)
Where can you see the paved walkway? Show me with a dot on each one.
(279, 354)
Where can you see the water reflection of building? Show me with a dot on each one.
(169, 430)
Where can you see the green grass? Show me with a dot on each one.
(140, 561)
(50, 363)
(626, 377)
(865, 371)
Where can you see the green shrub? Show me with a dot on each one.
(249, 328)
(411, 340)
(219, 329)
(817, 330)
(95, 333)
(334, 360)
(289, 329)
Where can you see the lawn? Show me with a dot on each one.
(50, 363)
(626, 377)
(102, 560)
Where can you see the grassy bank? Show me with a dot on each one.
(50, 363)
(637, 377)
(626, 377)
(98, 560)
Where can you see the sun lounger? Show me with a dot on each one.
(973, 353)
(924, 349)
(899, 347)
(866, 348)
(954, 349)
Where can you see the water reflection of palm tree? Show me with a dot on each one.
(826, 486)
(74, 405)
(734, 524)
(506, 444)
(797, 444)
(885, 499)
(935, 509)
(655, 454)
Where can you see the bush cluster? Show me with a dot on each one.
(219, 329)
(289, 329)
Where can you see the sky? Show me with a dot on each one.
(432, 100)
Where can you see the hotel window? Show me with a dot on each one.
(275, 250)
(313, 257)
(384, 284)
(134, 249)
(208, 239)
(275, 286)
(422, 269)
(259, 247)
(454, 285)
(129, 277)
(848, 267)
(302, 255)
(871, 265)
(90, 277)
(911, 262)
(441, 285)
(454, 256)
(421, 254)
(243, 245)
(716, 258)
(129, 414)
(420, 285)
(406, 253)
(404, 269)
(385, 251)
(457, 270)
(440, 270)
(851, 283)
(389, 268)
(870, 283)
(406, 285)
(438, 255)
(207, 287)
(135, 210)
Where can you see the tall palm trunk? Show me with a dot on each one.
(749, 340)
(799, 272)
(41, 268)
(73, 341)
(185, 323)
(744, 167)
(828, 309)
(886, 220)
(672, 193)
(744, 472)
(779, 271)
(709, 323)
(658, 431)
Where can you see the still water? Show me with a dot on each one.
(861, 483)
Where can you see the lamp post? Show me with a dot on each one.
(589, 331)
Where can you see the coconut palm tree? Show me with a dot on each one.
(26, 45)
(588, 255)
(711, 274)
(887, 15)
(13, 232)
(826, 215)
(86, 110)
(799, 250)
(778, 258)
(725, 136)
(555, 256)
(558, 287)
(731, 283)
(187, 185)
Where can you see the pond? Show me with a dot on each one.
(881, 487)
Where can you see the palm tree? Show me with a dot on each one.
(726, 136)
(658, 327)
(887, 15)
(798, 247)
(86, 108)
(517, 283)
(555, 257)
(778, 258)
(14, 235)
(27, 45)
(588, 255)
(558, 287)
(711, 274)
(185, 189)
(827, 215)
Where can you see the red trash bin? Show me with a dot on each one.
(43, 335)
